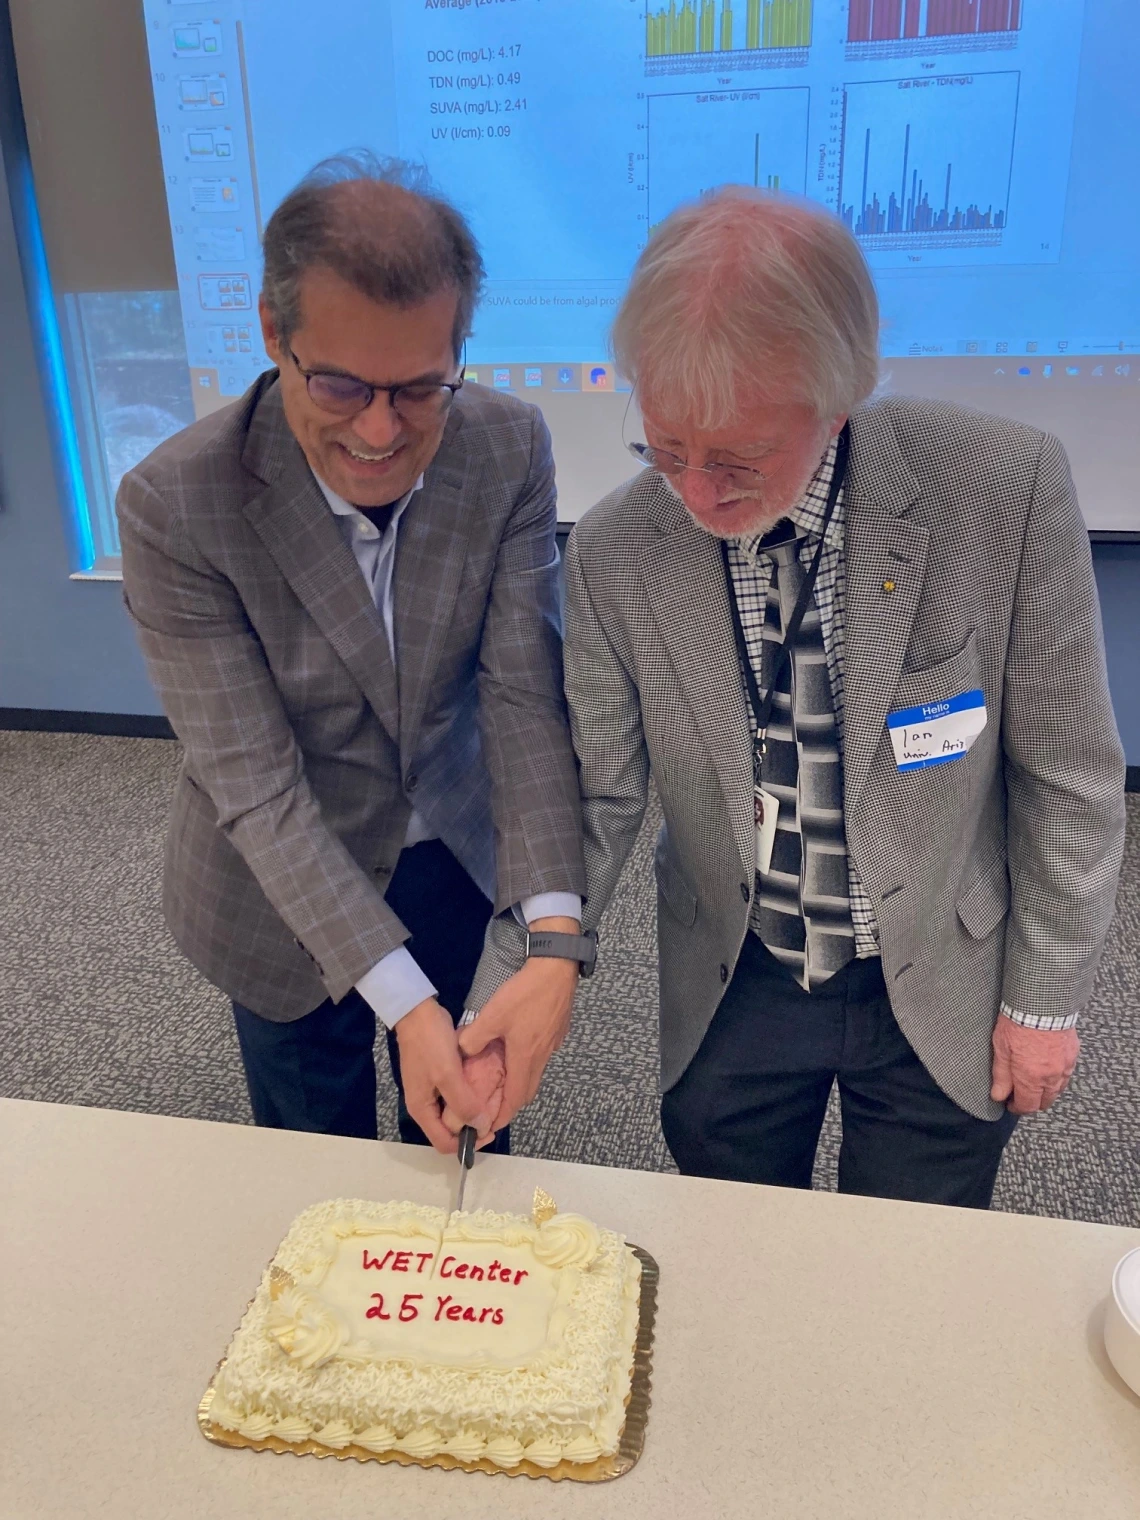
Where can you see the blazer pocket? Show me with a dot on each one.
(937, 683)
(985, 902)
(194, 797)
(675, 889)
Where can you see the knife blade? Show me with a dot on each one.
(467, 1138)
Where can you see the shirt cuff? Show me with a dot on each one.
(549, 905)
(1040, 1020)
(395, 986)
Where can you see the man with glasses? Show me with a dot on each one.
(345, 587)
(856, 643)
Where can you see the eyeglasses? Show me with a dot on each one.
(345, 395)
(740, 475)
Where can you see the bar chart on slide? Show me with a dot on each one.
(886, 28)
(927, 162)
(702, 34)
(742, 137)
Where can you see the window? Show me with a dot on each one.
(96, 249)
(130, 389)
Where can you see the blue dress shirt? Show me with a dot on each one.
(396, 985)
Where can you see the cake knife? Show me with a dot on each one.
(467, 1139)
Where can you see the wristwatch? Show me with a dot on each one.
(582, 948)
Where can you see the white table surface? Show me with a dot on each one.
(816, 1356)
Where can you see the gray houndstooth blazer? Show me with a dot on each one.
(993, 877)
(305, 748)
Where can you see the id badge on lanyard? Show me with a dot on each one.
(767, 810)
(765, 807)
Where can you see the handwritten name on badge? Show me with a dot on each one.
(936, 732)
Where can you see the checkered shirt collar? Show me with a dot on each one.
(807, 514)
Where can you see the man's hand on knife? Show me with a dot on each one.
(432, 1071)
(485, 1074)
(529, 1017)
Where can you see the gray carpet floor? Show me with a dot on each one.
(97, 1007)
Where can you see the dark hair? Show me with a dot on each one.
(377, 224)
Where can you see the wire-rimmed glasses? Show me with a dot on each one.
(740, 476)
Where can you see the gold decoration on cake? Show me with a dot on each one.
(279, 1280)
(544, 1206)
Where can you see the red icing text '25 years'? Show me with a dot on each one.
(446, 1308)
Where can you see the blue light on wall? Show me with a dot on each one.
(41, 306)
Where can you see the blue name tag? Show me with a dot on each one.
(936, 732)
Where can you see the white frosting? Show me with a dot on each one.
(293, 1428)
(336, 1433)
(306, 1328)
(349, 1339)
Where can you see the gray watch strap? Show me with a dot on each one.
(582, 948)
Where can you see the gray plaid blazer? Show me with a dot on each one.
(991, 878)
(305, 747)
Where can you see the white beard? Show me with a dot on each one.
(763, 521)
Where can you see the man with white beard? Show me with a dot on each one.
(857, 645)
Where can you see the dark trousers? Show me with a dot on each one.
(318, 1073)
(750, 1106)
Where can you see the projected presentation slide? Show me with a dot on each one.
(969, 145)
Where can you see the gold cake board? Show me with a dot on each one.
(630, 1443)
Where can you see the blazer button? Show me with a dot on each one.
(411, 782)
(744, 892)
(724, 973)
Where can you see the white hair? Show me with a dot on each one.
(743, 295)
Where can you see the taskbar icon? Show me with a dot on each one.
(573, 378)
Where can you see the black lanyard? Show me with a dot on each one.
(762, 706)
